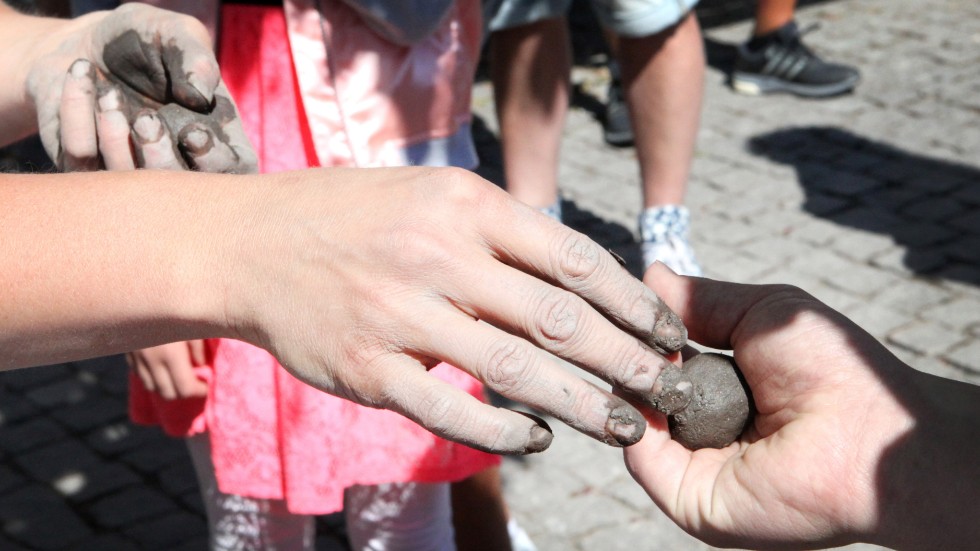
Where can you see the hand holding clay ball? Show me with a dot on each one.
(706, 401)
(138, 87)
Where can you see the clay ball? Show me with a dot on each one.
(719, 408)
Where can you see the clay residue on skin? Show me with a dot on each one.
(153, 76)
(138, 64)
(154, 70)
(669, 334)
(706, 402)
(625, 425)
(672, 391)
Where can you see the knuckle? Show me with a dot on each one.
(499, 437)
(637, 367)
(457, 191)
(641, 307)
(578, 257)
(558, 317)
(509, 368)
(461, 188)
(80, 149)
(421, 244)
(790, 298)
(441, 412)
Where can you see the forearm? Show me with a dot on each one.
(22, 39)
(102, 263)
(928, 480)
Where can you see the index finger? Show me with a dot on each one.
(576, 263)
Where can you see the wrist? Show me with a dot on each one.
(240, 257)
(30, 63)
(222, 223)
(927, 479)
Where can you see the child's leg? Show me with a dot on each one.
(399, 517)
(243, 523)
(480, 513)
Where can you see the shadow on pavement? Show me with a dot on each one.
(929, 206)
(76, 474)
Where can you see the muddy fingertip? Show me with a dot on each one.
(626, 425)
(539, 436)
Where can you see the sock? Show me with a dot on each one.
(656, 223)
(553, 210)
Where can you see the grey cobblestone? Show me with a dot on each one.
(626, 535)
(28, 435)
(910, 297)
(34, 517)
(60, 393)
(9, 480)
(906, 263)
(14, 407)
(863, 247)
(23, 379)
(133, 504)
(55, 460)
(878, 320)
(100, 480)
(168, 531)
(969, 221)
(958, 312)
(937, 209)
(925, 339)
(91, 414)
(967, 357)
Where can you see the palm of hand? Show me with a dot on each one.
(791, 477)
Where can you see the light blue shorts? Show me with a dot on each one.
(628, 18)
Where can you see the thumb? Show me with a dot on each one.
(193, 69)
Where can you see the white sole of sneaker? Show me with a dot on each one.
(756, 85)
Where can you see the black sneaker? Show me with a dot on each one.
(616, 127)
(780, 62)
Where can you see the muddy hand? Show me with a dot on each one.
(426, 265)
(111, 67)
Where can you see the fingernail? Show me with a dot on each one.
(148, 128)
(625, 425)
(672, 391)
(669, 333)
(197, 140)
(198, 84)
(81, 68)
(619, 259)
(109, 101)
(539, 439)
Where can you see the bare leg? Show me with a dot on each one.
(480, 513)
(530, 67)
(772, 14)
(663, 76)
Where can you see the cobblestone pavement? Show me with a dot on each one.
(869, 201)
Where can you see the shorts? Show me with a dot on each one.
(627, 18)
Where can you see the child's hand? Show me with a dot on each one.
(137, 87)
(168, 369)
